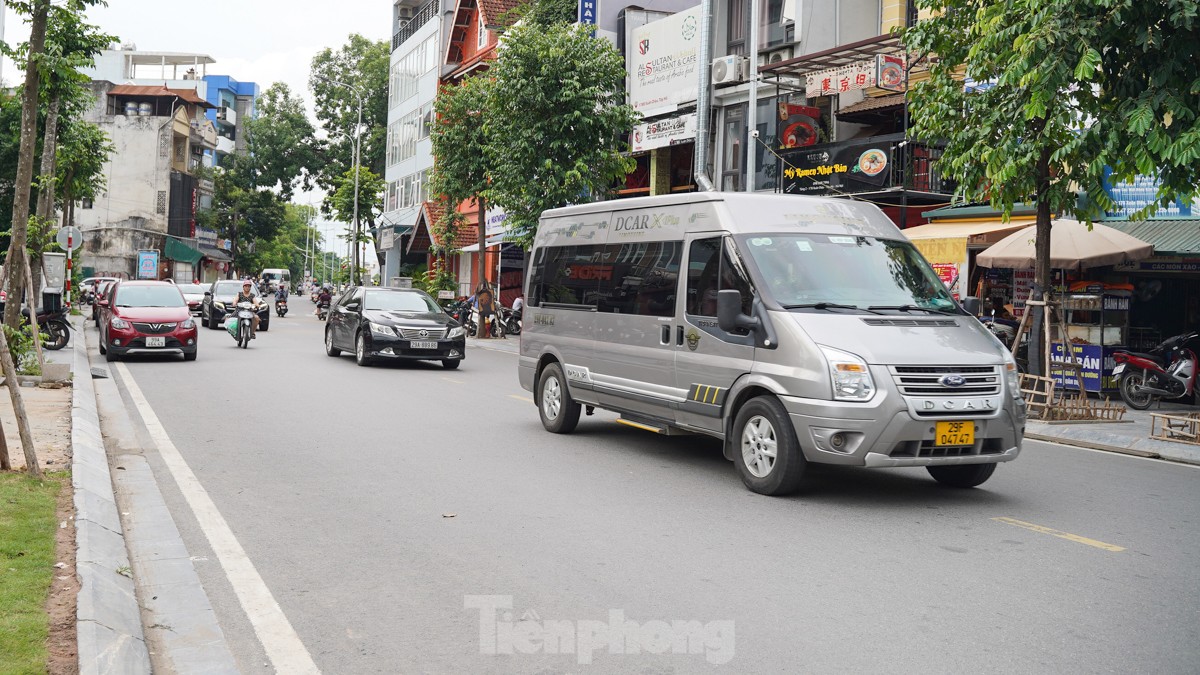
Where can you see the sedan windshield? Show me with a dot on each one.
(149, 296)
(231, 289)
(823, 271)
(191, 289)
(390, 301)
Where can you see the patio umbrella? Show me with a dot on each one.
(1072, 246)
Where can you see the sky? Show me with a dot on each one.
(261, 41)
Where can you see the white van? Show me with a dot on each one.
(272, 277)
(797, 329)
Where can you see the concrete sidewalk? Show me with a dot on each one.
(510, 344)
(1129, 436)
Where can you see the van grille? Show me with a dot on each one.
(931, 380)
(913, 323)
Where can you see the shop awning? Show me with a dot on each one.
(870, 109)
(215, 254)
(491, 243)
(981, 233)
(181, 252)
(1169, 237)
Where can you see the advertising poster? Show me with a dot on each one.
(837, 168)
(890, 72)
(147, 264)
(662, 133)
(799, 126)
(1097, 364)
(662, 63)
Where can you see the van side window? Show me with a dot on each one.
(640, 278)
(567, 275)
(712, 268)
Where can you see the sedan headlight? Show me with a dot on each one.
(850, 375)
(188, 324)
(456, 333)
(382, 330)
(1012, 378)
(119, 323)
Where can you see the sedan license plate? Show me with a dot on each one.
(156, 342)
(423, 345)
(954, 434)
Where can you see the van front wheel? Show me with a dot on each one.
(559, 413)
(767, 454)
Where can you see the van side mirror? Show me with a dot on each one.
(971, 305)
(729, 312)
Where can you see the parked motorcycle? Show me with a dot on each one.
(511, 320)
(1167, 372)
(54, 327)
(1006, 332)
(281, 307)
(463, 313)
(240, 329)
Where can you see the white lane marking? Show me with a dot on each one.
(283, 646)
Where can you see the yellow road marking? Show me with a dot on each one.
(521, 398)
(1060, 534)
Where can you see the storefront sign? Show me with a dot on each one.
(1156, 264)
(799, 125)
(387, 237)
(1095, 362)
(147, 264)
(1022, 288)
(858, 75)
(889, 73)
(587, 12)
(496, 222)
(206, 237)
(662, 63)
(837, 168)
(1135, 195)
(663, 133)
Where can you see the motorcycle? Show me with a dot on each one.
(54, 327)
(240, 329)
(463, 313)
(1167, 372)
(510, 319)
(280, 307)
(322, 310)
(1006, 332)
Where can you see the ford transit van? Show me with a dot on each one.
(796, 329)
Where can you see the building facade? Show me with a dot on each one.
(232, 105)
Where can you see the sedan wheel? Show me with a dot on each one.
(329, 348)
(360, 351)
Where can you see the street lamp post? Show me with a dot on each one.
(355, 279)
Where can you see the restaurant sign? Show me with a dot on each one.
(858, 75)
(661, 133)
(837, 168)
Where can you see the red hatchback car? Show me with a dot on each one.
(146, 317)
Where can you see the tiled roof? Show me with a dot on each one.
(494, 10)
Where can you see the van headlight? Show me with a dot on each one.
(850, 375)
(1012, 378)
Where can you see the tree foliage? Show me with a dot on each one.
(458, 141)
(370, 196)
(242, 210)
(362, 64)
(282, 140)
(1079, 85)
(556, 122)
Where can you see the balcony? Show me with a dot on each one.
(427, 12)
(881, 166)
(225, 146)
(227, 116)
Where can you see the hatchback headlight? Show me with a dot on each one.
(850, 376)
(188, 324)
(382, 330)
(456, 333)
(119, 323)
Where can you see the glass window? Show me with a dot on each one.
(149, 296)
(733, 161)
(400, 301)
(847, 270)
(568, 275)
(737, 22)
(482, 35)
(712, 268)
(641, 278)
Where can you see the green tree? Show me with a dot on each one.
(543, 13)
(1078, 85)
(242, 211)
(540, 161)
(371, 188)
(461, 171)
(363, 64)
(282, 140)
(287, 248)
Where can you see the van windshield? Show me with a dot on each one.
(821, 271)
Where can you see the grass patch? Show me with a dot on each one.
(27, 531)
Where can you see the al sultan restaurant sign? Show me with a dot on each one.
(837, 168)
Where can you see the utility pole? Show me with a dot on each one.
(352, 252)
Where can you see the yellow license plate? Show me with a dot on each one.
(954, 434)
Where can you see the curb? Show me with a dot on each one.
(108, 618)
(1062, 440)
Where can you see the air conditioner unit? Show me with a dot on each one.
(775, 56)
(728, 70)
(221, 113)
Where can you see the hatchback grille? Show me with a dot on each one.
(415, 333)
(153, 328)
(932, 380)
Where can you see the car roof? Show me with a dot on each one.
(145, 282)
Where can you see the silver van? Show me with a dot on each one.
(796, 329)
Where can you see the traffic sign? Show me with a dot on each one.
(69, 238)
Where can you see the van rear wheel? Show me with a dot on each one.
(768, 455)
(559, 413)
(962, 475)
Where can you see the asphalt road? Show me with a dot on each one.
(339, 481)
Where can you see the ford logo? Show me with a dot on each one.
(952, 380)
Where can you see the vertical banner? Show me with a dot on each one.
(147, 264)
(587, 12)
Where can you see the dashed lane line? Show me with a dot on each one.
(1060, 534)
(280, 641)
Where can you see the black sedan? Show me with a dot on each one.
(220, 296)
(393, 323)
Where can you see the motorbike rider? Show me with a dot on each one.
(281, 293)
(247, 295)
(324, 298)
